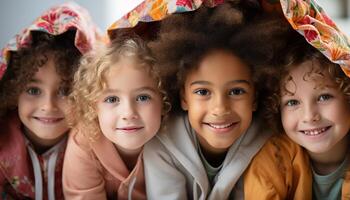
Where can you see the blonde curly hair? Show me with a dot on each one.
(89, 80)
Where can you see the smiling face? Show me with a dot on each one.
(219, 98)
(42, 107)
(129, 109)
(316, 117)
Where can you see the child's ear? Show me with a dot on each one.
(184, 105)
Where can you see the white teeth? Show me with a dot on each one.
(314, 132)
(220, 126)
(48, 120)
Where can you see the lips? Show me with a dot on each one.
(220, 126)
(316, 131)
(129, 129)
(49, 120)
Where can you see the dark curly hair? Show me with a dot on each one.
(275, 78)
(25, 63)
(235, 26)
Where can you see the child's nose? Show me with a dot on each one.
(49, 103)
(310, 113)
(129, 111)
(220, 107)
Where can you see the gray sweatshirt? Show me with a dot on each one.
(174, 170)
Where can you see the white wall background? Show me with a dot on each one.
(18, 14)
(339, 11)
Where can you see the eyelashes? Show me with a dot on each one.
(139, 98)
(321, 98)
(36, 91)
(232, 92)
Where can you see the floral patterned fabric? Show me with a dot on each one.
(310, 20)
(305, 16)
(155, 10)
(55, 21)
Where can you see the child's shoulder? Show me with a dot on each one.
(174, 135)
(279, 155)
(78, 139)
(278, 170)
(174, 127)
(280, 146)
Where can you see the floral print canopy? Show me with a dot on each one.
(56, 21)
(305, 16)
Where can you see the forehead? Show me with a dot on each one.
(47, 69)
(47, 76)
(307, 74)
(129, 73)
(221, 66)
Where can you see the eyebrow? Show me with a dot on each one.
(35, 81)
(146, 88)
(230, 82)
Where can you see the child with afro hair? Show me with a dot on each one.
(208, 60)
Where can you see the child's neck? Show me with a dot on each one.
(328, 162)
(40, 145)
(129, 157)
(215, 159)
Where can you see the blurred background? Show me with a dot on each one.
(17, 14)
(339, 11)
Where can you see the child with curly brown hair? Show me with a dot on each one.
(208, 59)
(37, 69)
(119, 107)
(308, 98)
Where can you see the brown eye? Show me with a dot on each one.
(202, 92)
(237, 91)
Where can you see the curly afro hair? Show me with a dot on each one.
(235, 26)
(26, 62)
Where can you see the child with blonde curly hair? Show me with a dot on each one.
(36, 71)
(119, 105)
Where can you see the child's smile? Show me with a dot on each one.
(129, 129)
(222, 127)
(49, 120)
(315, 131)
